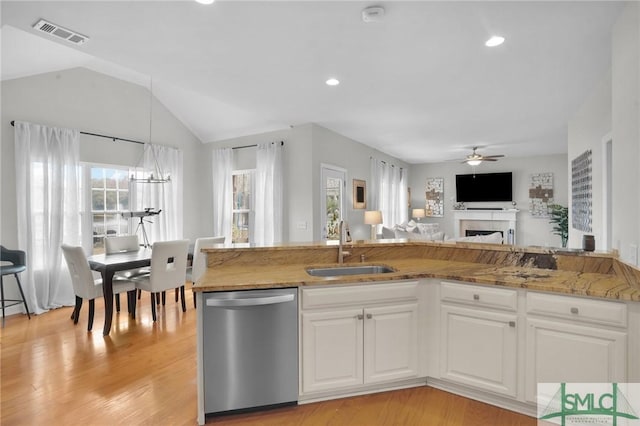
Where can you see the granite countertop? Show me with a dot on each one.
(226, 277)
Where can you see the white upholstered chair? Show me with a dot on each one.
(85, 286)
(168, 270)
(199, 262)
(123, 244)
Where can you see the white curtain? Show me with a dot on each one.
(267, 195)
(222, 192)
(49, 202)
(389, 192)
(168, 225)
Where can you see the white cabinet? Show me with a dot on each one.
(332, 347)
(374, 341)
(478, 344)
(390, 343)
(573, 339)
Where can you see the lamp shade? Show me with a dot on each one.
(418, 213)
(373, 217)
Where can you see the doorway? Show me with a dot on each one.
(332, 189)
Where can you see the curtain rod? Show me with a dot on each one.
(254, 145)
(113, 138)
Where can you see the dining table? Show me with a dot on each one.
(108, 265)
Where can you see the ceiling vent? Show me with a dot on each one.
(60, 32)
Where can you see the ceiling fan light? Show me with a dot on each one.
(205, 1)
(474, 162)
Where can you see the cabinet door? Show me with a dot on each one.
(331, 349)
(559, 352)
(390, 343)
(479, 348)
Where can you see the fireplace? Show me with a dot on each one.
(474, 232)
(483, 222)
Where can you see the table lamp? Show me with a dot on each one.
(373, 218)
(418, 213)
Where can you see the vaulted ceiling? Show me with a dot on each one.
(420, 85)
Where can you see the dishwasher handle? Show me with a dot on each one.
(249, 301)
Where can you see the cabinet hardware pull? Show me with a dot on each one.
(476, 297)
(360, 316)
(512, 323)
(574, 310)
(369, 316)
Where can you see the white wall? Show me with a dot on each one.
(626, 133)
(530, 230)
(586, 130)
(298, 197)
(89, 101)
(306, 148)
(332, 148)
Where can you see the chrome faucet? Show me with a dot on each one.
(342, 240)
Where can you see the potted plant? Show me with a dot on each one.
(560, 218)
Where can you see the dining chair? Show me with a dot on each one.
(17, 258)
(168, 271)
(199, 261)
(85, 286)
(123, 244)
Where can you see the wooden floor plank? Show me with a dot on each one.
(53, 372)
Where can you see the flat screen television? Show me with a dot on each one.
(484, 187)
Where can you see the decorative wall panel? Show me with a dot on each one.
(540, 194)
(581, 201)
(434, 193)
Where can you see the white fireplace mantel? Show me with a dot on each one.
(494, 220)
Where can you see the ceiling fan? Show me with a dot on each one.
(475, 159)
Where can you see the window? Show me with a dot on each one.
(109, 198)
(242, 208)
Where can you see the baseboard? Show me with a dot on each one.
(486, 397)
(364, 390)
(14, 310)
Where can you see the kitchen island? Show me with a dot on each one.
(444, 304)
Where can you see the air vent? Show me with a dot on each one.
(60, 32)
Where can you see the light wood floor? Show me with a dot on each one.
(53, 372)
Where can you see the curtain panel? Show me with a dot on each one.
(389, 192)
(267, 195)
(49, 202)
(222, 163)
(168, 225)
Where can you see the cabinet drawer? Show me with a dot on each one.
(575, 308)
(358, 294)
(497, 298)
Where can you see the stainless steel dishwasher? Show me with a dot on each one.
(250, 349)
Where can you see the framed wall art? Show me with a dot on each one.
(359, 194)
(434, 194)
(540, 194)
(581, 192)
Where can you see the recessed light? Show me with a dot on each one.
(332, 82)
(205, 1)
(494, 41)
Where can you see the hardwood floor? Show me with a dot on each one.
(53, 372)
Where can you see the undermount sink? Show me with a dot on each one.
(334, 271)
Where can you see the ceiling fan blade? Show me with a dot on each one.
(493, 156)
(489, 159)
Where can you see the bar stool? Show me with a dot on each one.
(18, 260)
